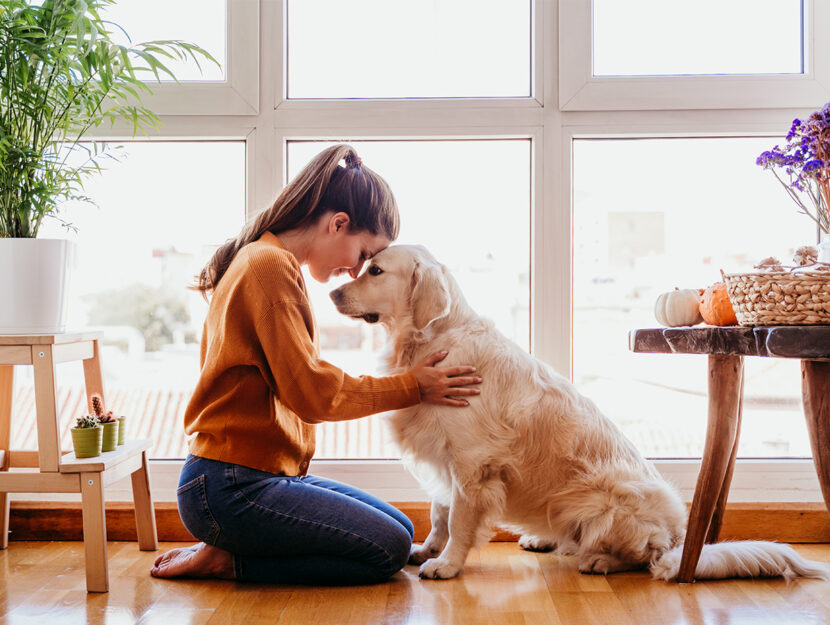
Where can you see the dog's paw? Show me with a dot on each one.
(438, 569)
(418, 554)
(534, 543)
(602, 564)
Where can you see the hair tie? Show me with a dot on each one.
(353, 160)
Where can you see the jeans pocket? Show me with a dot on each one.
(195, 512)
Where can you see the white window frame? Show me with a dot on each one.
(580, 90)
(238, 94)
(552, 129)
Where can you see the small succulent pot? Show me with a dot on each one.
(87, 441)
(110, 436)
(122, 429)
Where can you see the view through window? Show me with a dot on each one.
(468, 202)
(704, 37)
(162, 210)
(673, 213)
(404, 49)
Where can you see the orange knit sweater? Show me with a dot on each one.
(262, 385)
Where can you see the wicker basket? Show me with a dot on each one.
(771, 298)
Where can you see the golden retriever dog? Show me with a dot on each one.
(529, 453)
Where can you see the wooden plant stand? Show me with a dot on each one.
(51, 470)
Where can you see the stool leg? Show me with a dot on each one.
(6, 400)
(815, 389)
(720, 509)
(95, 532)
(145, 518)
(725, 374)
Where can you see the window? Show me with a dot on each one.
(652, 55)
(657, 38)
(163, 208)
(559, 126)
(227, 29)
(152, 20)
(405, 49)
(672, 213)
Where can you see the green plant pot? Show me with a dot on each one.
(110, 438)
(122, 429)
(87, 441)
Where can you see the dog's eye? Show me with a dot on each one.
(374, 270)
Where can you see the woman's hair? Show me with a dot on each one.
(323, 185)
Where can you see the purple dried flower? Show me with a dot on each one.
(805, 159)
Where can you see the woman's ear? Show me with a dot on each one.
(339, 222)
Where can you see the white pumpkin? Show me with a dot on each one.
(680, 307)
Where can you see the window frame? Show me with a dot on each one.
(552, 127)
(580, 90)
(238, 94)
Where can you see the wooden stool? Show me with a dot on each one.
(49, 469)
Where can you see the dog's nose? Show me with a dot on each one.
(336, 296)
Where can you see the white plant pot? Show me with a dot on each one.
(34, 285)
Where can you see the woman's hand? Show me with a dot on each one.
(444, 385)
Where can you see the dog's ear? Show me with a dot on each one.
(430, 294)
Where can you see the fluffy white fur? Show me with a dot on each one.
(530, 453)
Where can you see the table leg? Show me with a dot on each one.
(6, 403)
(815, 391)
(720, 509)
(725, 375)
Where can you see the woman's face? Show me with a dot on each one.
(339, 249)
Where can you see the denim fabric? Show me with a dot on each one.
(292, 530)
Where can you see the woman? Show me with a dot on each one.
(244, 490)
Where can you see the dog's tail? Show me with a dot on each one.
(741, 559)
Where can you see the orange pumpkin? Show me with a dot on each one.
(715, 306)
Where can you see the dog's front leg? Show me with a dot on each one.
(438, 534)
(466, 515)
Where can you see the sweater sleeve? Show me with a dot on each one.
(314, 389)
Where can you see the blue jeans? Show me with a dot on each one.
(292, 530)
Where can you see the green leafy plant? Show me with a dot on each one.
(62, 74)
(86, 421)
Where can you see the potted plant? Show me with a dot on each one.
(61, 74)
(87, 437)
(108, 422)
(122, 428)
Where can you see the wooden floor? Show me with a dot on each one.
(43, 583)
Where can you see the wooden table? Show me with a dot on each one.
(726, 348)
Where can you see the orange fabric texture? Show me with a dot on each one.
(263, 386)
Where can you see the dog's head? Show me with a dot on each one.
(403, 286)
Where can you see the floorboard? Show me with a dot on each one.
(43, 583)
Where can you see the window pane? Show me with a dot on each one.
(196, 21)
(473, 221)
(672, 213)
(408, 49)
(156, 224)
(655, 37)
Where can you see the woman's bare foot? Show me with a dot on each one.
(197, 561)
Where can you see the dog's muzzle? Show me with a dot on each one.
(337, 296)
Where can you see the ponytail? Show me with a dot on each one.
(323, 185)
